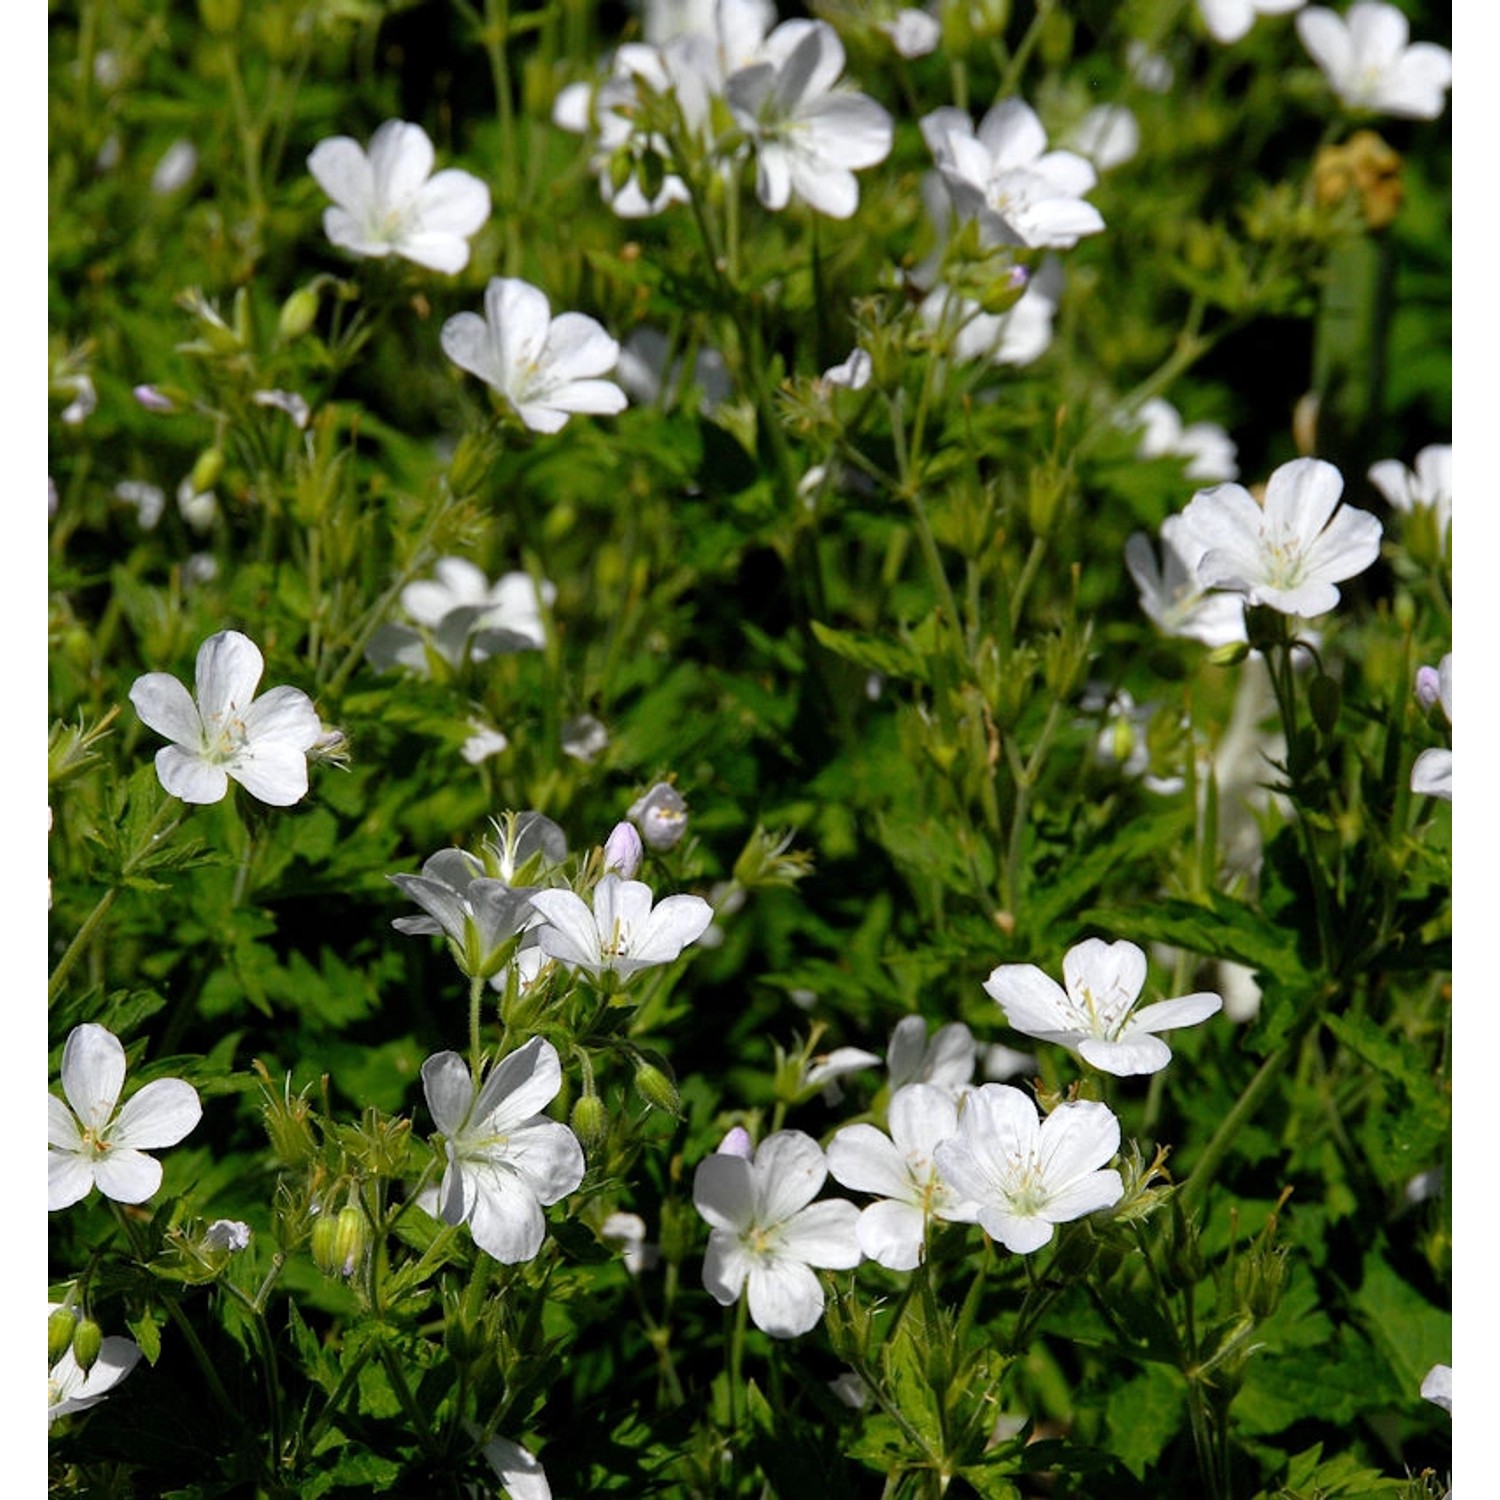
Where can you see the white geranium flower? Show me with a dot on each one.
(1432, 772)
(854, 372)
(228, 732)
(1171, 595)
(520, 1472)
(1229, 20)
(623, 932)
(900, 1169)
(947, 1061)
(478, 915)
(1015, 337)
(94, 1145)
(1428, 485)
(1107, 135)
(1208, 448)
(69, 1389)
(1096, 1016)
(506, 1160)
(913, 33)
(767, 1234)
(1437, 1387)
(583, 738)
(1025, 1175)
(1003, 176)
(661, 814)
(484, 740)
(502, 616)
(546, 368)
(809, 137)
(1292, 551)
(1369, 65)
(388, 202)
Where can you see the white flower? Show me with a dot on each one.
(294, 405)
(767, 1234)
(1428, 485)
(149, 500)
(827, 1068)
(624, 931)
(1437, 1387)
(1369, 65)
(913, 33)
(1015, 337)
(583, 738)
(1432, 772)
(546, 368)
(478, 914)
(661, 815)
(230, 1235)
(261, 742)
(520, 1472)
(389, 203)
(70, 1390)
(854, 373)
(198, 508)
(1229, 20)
(502, 616)
(1096, 1016)
(1004, 176)
(175, 168)
(629, 1232)
(483, 742)
(1208, 448)
(1291, 552)
(1025, 1175)
(809, 137)
(1108, 135)
(946, 1061)
(94, 1145)
(506, 1160)
(900, 1169)
(1171, 595)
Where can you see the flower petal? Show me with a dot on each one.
(161, 1114)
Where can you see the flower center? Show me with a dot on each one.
(224, 737)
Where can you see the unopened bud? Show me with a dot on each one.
(661, 816)
(1428, 687)
(61, 1323)
(1231, 654)
(589, 1120)
(206, 471)
(623, 851)
(736, 1143)
(298, 314)
(1323, 699)
(153, 399)
(88, 1339)
(656, 1088)
(339, 1240)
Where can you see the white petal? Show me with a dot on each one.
(892, 1234)
(342, 170)
(127, 1176)
(70, 1179)
(449, 1090)
(786, 1298)
(161, 1114)
(724, 1192)
(189, 777)
(824, 1234)
(275, 773)
(506, 1220)
(520, 1472)
(229, 669)
(93, 1072)
(789, 1169)
(726, 1264)
(166, 706)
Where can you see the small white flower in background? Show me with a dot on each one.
(1108, 136)
(149, 500)
(175, 168)
(947, 1061)
(288, 401)
(502, 616)
(1240, 989)
(623, 851)
(623, 932)
(643, 370)
(899, 1168)
(506, 1160)
(201, 567)
(629, 1232)
(1095, 1016)
(1024, 1174)
(661, 815)
(766, 1233)
(228, 732)
(853, 373)
(1124, 741)
(825, 1070)
(913, 33)
(1210, 450)
(199, 508)
(1289, 553)
(1002, 1063)
(1428, 484)
(1151, 70)
(92, 1144)
(484, 741)
(152, 400)
(1015, 337)
(69, 1389)
(1369, 65)
(1171, 595)
(1003, 175)
(1229, 20)
(850, 1388)
(521, 837)
(227, 1234)
(809, 136)
(85, 398)
(520, 1473)
(1432, 772)
(388, 202)
(546, 368)
(583, 738)
(1437, 1387)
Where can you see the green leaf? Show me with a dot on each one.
(873, 653)
(147, 1332)
(1144, 1415)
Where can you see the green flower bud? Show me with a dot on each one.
(207, 470)
(339, 1240)
(88, 1339)
(60, 1325)
(1323, 698)
(589, 1120)
(1229, 655)
(297, 314)
(656, 1088)
(221, 17)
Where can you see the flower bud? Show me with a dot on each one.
(206, 471)
(221, 17)
(1323, 699)
(298, 313)
(656, 1088)
(88, 1339)
(61, 1323)
(623, 851)
(736, 1143)
(152, 399)
(338, 1241)
(661, 816)
(1231, 654)
(1428, 687)
(589, 1120)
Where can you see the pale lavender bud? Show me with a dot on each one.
(1428, 687)
(1018, 276)
(661, 815)
(736, 1143)
(153, 400)
(226, 1234)
(623, 851)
